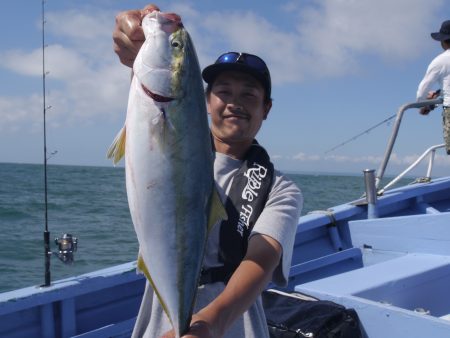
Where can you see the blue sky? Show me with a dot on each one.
(338, 68)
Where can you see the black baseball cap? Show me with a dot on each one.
(242, 62)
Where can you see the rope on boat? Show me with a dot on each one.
(421, 180)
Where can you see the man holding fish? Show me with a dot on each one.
(252, 245)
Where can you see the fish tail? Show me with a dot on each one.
(143, 268)
(117, 149)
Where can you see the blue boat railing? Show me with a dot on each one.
(398, 120)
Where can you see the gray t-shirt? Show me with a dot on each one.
(278, 220)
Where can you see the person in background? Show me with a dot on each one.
(250, 249)
(438, 72)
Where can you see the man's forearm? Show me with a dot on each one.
(246, 284)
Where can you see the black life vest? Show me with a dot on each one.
(246, 200)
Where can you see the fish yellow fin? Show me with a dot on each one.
(142, 267)
(217, 210)
(117, 148)
(162, 129)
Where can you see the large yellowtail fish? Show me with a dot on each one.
(169, 165)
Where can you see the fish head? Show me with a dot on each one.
(158, 63)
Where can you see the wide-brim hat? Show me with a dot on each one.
(241, 62)
(444, 32)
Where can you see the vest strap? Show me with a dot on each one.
(246, 200)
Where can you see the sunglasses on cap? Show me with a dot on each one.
(244, 58)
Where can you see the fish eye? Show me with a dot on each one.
(175, 43)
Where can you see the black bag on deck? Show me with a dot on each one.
(294, 314)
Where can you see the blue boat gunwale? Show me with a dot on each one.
(68, 288)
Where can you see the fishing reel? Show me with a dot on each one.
(67, 245)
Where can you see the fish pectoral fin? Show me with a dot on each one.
(143, 268)
(117, 148)
(162, 127)
(217, 210)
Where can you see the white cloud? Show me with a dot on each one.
(255, 34)
(305, 157)
(442, 160)
(81, 25)
(16, 110)
(394, 159)
(326, 38)
(62, 63)
(336, 33)
(85, 78)
(345, 163)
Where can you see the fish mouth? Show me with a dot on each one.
(170, 22)
(156, 97)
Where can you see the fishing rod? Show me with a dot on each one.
(67, 244)
(47, 251)
(429, 108)
(360, 134)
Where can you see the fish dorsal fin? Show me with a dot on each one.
(117, 148)
(217, 210)
(143, 268)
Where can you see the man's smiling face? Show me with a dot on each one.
(236, 106)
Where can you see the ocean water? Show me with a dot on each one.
(90, 203)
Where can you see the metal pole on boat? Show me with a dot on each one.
(371, 193)
(47, 251)
(398, 120)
